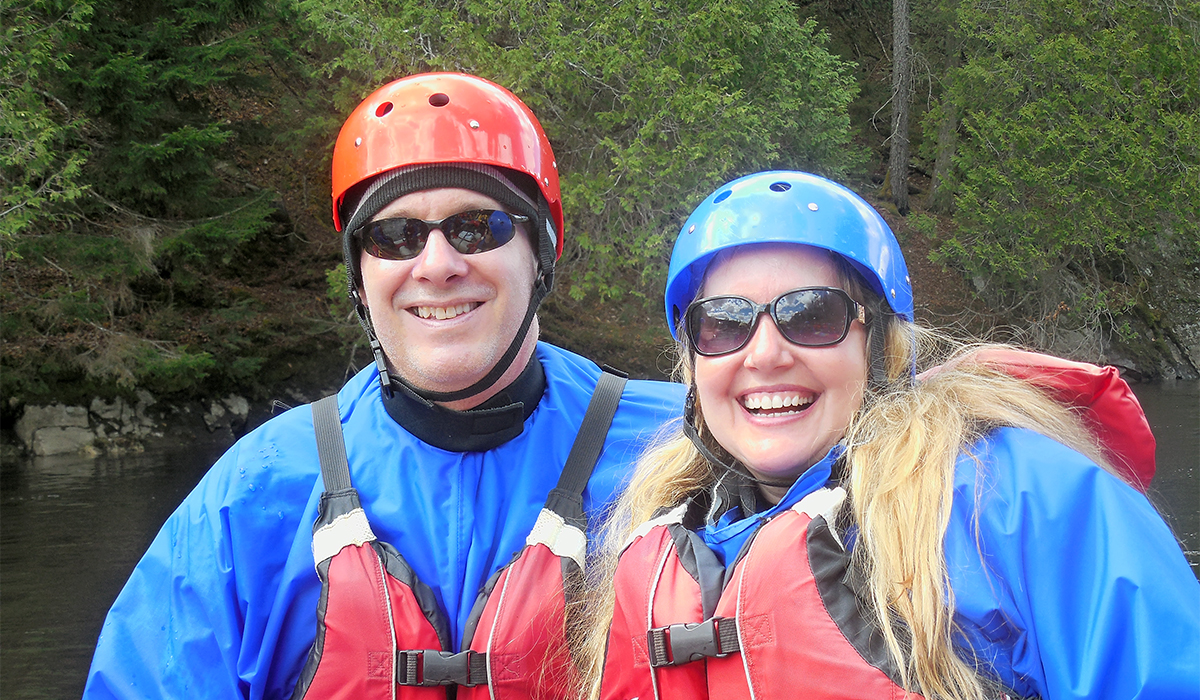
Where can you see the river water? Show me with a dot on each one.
(71, 530)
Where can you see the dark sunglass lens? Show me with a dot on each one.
(394, 239)
(812, 316)
(468, 232)
(719, 326)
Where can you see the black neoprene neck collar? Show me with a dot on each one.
(491, 424)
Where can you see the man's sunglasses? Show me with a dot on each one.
(813, 317)
(470, 232)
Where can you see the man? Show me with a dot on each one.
(434, 570)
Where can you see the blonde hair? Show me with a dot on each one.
(901, 451)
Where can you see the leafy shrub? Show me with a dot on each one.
(171, 372)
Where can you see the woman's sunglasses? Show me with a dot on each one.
(813, 317)
(469, 232)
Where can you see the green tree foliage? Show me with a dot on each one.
(146, 72)
(40, 152)
(1080, 138)
(119, 200)
(649, 103)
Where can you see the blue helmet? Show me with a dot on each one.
(788, 207)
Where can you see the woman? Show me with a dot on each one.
(826, 526)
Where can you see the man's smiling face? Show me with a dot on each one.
(445, 318)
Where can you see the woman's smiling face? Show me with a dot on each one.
(777, 407)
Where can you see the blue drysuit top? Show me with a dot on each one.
(223, 605)
(1072, 586)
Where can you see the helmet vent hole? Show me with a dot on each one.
(439, 99)
(384, 109)
(780, 186)
(722, 197)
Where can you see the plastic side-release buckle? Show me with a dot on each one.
(684, 642)
(430, 667)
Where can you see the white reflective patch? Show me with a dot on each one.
(668, 518)
(826, 502)
(562, 539)
(351, 528)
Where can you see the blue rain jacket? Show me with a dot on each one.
(223, 605)
(1071, 587)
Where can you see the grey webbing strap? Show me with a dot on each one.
(331, 446)
(567, 497)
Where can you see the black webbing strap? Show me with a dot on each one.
(678, 644)
(429, 667)
(331, 446)
(567, 497)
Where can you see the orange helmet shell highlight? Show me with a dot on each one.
(443, 118)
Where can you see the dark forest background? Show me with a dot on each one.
(165, 167)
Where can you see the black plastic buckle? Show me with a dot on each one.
(429, 667)
(684, 642)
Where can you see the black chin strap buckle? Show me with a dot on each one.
(381, 365)
(364, 320)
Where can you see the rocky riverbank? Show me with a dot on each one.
(120, 425)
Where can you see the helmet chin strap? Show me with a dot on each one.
(879, 320)
(877, 371)
(689, 429)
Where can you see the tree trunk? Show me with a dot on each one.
(901, 97)
(941, 191)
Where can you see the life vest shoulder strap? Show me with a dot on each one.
(566, 499)
(331, 445)
(671, 517)
(341, 520)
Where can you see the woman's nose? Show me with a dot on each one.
(767, 348)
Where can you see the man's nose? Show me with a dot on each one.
(439, 262)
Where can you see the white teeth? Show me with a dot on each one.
(444, 312)
(756, 402)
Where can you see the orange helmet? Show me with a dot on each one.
(444, 118)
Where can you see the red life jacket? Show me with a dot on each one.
(781, 623)
(1101, 397)
(380, 631)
